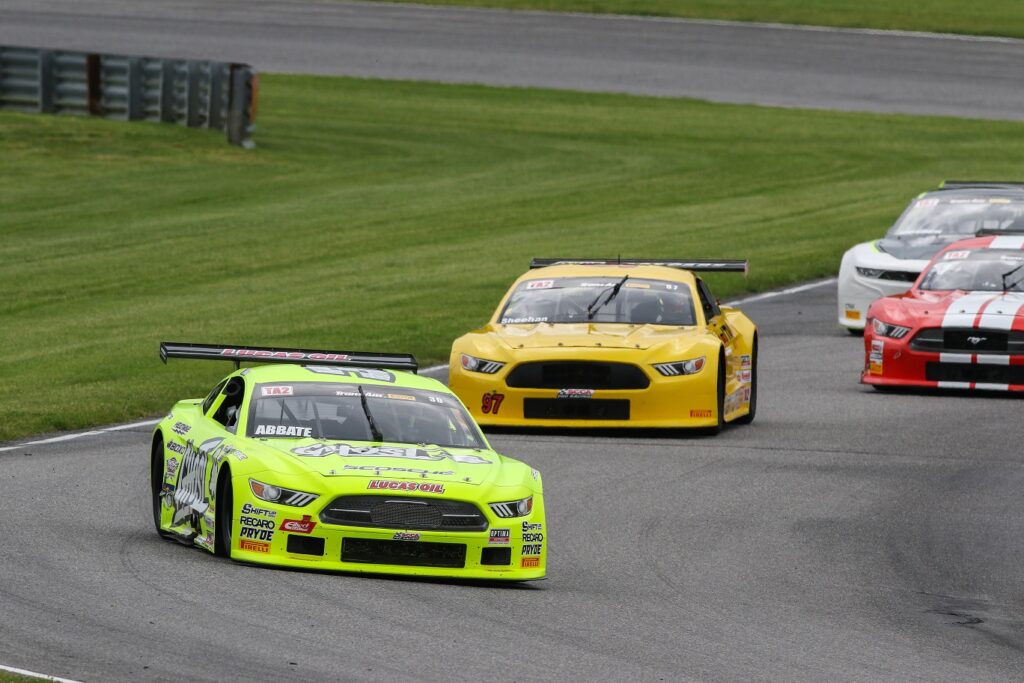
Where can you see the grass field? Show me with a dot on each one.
(992, 17)
(392, 216)
(6, 677)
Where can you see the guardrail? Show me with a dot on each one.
(198, 94)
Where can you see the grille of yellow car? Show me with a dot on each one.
(577, 375)
(398, 512)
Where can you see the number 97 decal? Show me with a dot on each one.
(492, 402)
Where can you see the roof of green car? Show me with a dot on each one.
(286, 372)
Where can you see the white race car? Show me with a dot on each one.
(889, 266)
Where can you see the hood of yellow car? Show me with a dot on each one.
(585, 335)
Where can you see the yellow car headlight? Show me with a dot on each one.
(474, 364)
(681, 367)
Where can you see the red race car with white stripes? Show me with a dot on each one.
(961, 326)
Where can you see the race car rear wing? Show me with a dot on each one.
(258, 354)
(995, 184)
(713, 266)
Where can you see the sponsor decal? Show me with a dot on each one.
(540, 284)
(358, 373)
(875, 357)
(500, 537)
(422, 487)
(575, 393)
(320, 450)
(258, 534)
(527, 319)
(852, 313)
(402, 397)
(745, 361)
(405, 536)
(492, 402)
(282, 430)
(638, 285)
(745, 394)
(298, 526)
(176, 447)
(172, 467)
(410, 470)
(190, 498)
(248, 509)
(927, 202)
(534, 526)
(533, 537)
(701, 413)
(529, 562)
(745, 376)
(275, 391)
(254, 546)
(181, 428)
(531, 549)
(535, 474)
(256, 522)
(955, 255)
(286, 355)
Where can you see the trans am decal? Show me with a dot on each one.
(320, 450)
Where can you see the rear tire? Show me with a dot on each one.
(156, 483)
(855, 332)
(224, 515)
(749, 417)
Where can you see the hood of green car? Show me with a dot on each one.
(392, 461)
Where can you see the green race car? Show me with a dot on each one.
(342, 461)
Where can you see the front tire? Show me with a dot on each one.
(156, 482)
(720, 390)
(224, 515)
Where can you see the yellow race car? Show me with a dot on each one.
(610, 343)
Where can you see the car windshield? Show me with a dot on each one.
(977, 270)
(589, 299)
(958, 216)
(323, 410)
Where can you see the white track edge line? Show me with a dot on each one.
(45, 677)
(424, 371)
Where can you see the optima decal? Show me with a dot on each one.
(500, 537)
(405, 536)
(320, 450)
(422, 487)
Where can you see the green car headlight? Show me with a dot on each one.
(280, 495)
(515, 508)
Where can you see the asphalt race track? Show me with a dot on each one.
(781, 66)
(846, 535)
